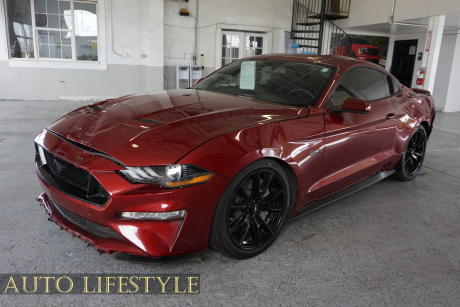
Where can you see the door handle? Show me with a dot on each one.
(390, 116)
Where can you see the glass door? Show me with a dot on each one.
(238, 45)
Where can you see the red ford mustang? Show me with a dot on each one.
(226, 163)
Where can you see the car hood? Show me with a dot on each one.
(160, 128)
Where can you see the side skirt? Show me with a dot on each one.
(344, 192)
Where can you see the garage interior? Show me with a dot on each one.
(393, 243)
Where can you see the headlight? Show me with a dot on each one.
(170, 176)
(361, 50)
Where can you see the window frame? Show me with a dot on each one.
(385, 74)
(36, 61)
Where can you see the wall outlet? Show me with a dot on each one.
(125, 55)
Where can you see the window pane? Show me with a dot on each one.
(249, 52)
(66, 52)
(63, 23)
(66, 38)
(55, 51)
(43, 37)
(366, 84)
(20, 28)
(225, 52)
(86, 31)
(40, 6)
(54, 37)
(53, 21)
(85, 6)
(64, 6)
(258, 51)
(52, 7)
(235, 53)
(44, 51)
(259, 41)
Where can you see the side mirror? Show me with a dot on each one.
(355, 105)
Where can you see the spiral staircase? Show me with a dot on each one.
(312, 30)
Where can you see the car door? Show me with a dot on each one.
(357, 145)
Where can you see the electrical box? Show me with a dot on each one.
(182, 77)
(196, 73)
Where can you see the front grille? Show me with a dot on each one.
(372, 51)
(67, 172)
(72, 217)
(375, 61)
(72, 180)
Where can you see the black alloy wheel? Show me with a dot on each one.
(256, 209)
(415, 151)
(412, 159)
(252, 211)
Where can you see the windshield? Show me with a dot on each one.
(281, 81)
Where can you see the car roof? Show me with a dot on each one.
(333, 60)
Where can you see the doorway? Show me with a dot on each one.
(402, 66)
(238, 45)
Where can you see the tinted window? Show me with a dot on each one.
(280, 81)
(362, 83)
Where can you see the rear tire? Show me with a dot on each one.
(252, 211)
(411, 160)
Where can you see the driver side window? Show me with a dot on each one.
(362, 83)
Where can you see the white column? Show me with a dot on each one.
(453, 92)
(432, 49)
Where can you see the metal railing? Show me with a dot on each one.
(313, 31)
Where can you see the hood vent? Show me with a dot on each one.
(149, 121)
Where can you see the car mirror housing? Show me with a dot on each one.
(355, 105)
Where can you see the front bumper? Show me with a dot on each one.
(101, 227)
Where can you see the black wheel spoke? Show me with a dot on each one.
(243, 192)
(270, 198)
(244, 235)
(240, 205)
(255, 194)
(261, 224)
(266, 184)
(238, 224)
(255, 233)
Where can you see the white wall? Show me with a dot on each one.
(180, 30)
(137, 29)
(443, 73)
(453, 92)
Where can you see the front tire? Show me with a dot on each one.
(252, 211)
(411, 161)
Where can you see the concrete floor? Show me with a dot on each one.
(391, 244)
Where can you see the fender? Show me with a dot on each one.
(290, 141)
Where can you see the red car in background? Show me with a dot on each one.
(228, 162)
(361, 50)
